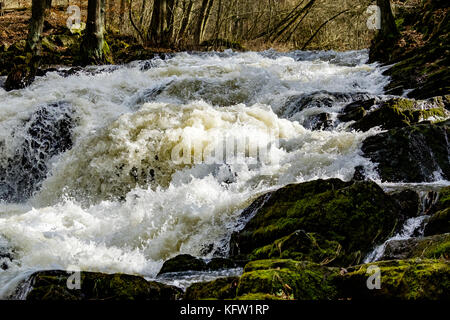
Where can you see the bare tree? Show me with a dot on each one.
(92, 45)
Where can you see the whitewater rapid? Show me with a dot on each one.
(117, 202)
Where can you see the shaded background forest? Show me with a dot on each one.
(190, 24)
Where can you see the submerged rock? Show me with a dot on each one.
(433, 247)
(52, 285)
(48, 132)
(418, 153)
(414, 279)
(356, 215)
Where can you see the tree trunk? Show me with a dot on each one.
(161, 24)
(38, 10)
(23, 75)
(388, 26)
(93, 40)
(200, 22)
(384, 44)
(186, 19)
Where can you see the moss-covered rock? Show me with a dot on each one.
(222, 288)
(357, 215)
(399, 113)
(433, 247)
(183, 262)
(400, 279)
(52, 285)
(417, 153)
(287, 279)
(438, 223)
(300, 246)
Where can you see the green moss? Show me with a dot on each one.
(400, 279)
(52, 285)
(357, 215)
(300, 246)
(260, 296)
(439, 222)
(399, 113)
(287, 279)
(223, 288)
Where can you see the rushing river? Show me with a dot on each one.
(116, 201)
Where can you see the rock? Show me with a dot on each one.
(52, 285)
(409, 202)
(222, 263)
(321, 121)
(186, 262)
(399, 113)
(357, 215)
(287, 280)
(300, 246)
(438, 223)
(414, 279)
(417, 153)
(433, 247)
(221, 289)
(48, 133)
(19, 77)
(319, 99)
(183, 262)
(356, 110)
(6, 253)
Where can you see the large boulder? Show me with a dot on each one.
(355, 215)
(440, 219)
(52, 285)
(221, 289)
(186, 262)
(418, 153)
(413, 279)
(434, 247)
(399, 113)
(287, 280)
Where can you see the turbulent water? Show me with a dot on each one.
(110, 197)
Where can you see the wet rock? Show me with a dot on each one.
(319, 99)
(399, 113)
(409, 202)
(300, 246)
(433, 247)
(321, 121)
(414, 279)
(221, 289)
(356, 110)
(183, 262)
(357, 215)
(438, 223)
(287, 280)
(440, 219)
(186, 262)
(19, 77)
(417, 153)
(52, 285)
(48, 132)
(360, 174)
